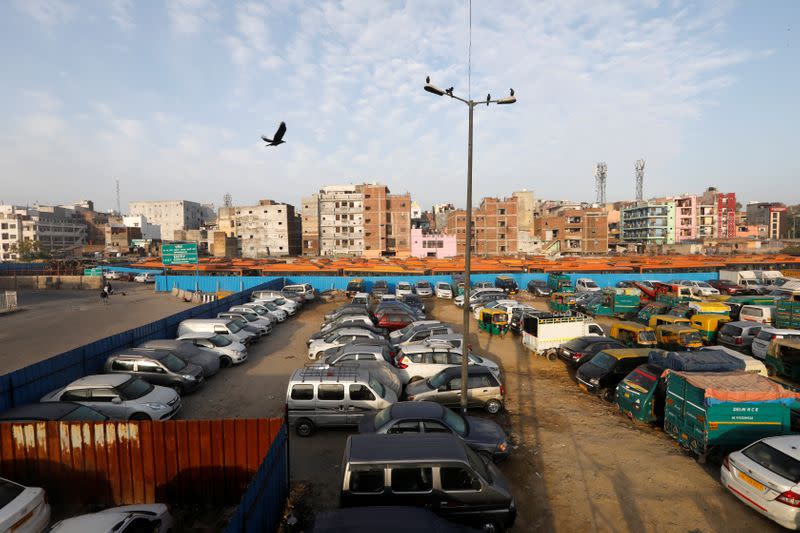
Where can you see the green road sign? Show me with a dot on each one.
(179, 254)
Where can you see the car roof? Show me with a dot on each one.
(745, 324)
(92, 522)
(429, 447)
(411, 409)
(364, 345)
(472, 370)
(99, 380)
(198, 335)
(788, 444)
(628, 353)
(39, 410)
(349, 330)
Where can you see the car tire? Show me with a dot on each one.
(140, 416)
(225, 362)
(606, 394)
(304, 427)
(552, 355)
(493, 407)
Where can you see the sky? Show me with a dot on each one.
(171, 97)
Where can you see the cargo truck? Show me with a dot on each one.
(745, 278)
(544, 333)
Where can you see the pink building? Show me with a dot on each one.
(438, 245)
(685, 218)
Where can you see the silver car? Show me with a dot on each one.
(205, 358)
(418, 361)
(24, 509)
(423, 288)
(339, 337)
(374, 357)
(444, 290)
(230, 352)
(120, 396)
(149, 517)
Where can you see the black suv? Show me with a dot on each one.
(582, 349)
(159, 367)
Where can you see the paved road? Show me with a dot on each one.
(54, 321)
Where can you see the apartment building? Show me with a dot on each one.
(57, 229)
(574, 231)
(726, 215)
(310, 225)
(387, 222)
(119, 238)
(268, 229)
(173, 215)
(432, 244)
(527, 241)
(494, 227)
(649, 223)
(686, 217)
(341, 220)
(773, 215)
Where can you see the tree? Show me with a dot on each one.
(29, 250)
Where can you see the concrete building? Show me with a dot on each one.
(119, 239)
(494, 225)
(269, 229)
(686, 217)
(149, 231)
(310, 225)
(726, 215)
(527, 240)
(440, 212)
(431, 244)
(571, 231)
(173, 215)
(341, 220)
(58, 230)
(387, 222)
(223, 245)
(773, 215)
(649, 223)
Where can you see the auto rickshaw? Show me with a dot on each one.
(666, 320)
(708, 326)
(633, 334)
(710, 308)
(653, 308)
(678, 337)
(562, 302)
(783, 359)
(495, 321)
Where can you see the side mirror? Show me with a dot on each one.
(116, 400)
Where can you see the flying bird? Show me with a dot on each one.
(449, 91)
(488, 97)
(277, 138)
(512, 91)
(427, 79)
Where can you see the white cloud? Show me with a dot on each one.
(121, 14)
(190, 16)
(40, 100)
(48, 13)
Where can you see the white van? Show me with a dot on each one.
(222, 326)
(305, 290)
(763, 314)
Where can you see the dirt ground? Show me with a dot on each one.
(576, 465)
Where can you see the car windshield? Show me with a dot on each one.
(702, 284)
(271, 306)
(250, 317)
(443, 286)
(694, 336)
(134, 388)
(589, 283)
(403, 286)
(234, 326)
(219, 340)
(9, 491)
(774, 460)
(423, 285)
(174, 364)
(438, 380)
(455, 421)
(84, 413)
(331, 338)
(378, 387)
(603, 360)
(647, 336)
(259, 310)
(733, 331)
(641, 379)
(279, 301)
(383, 416)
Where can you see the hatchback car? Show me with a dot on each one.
(57, 411)
(418, 361)
(205, 358)
(120, 397)
(404, 287)
(484, 436)
(765, 476)
(728, 287)
(738, 335)
(420, 333)
(699, 288)
(586, 285)
(393, 320)
(607, 368)
(156, 366)
(339, 337)
(538, 287)
(230, 352)
(444, 290)
(142, 518)
(377, 358)
(761, 342)
(423, 288)
(484, 389)
(350, 321)
(23, 509)
(581, 350)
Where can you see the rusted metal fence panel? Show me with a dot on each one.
(119, 463)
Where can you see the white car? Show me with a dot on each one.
(699, 288)
(291, 307)
(388, 297)
(24, 510)
(766, 335)
(474, 293)
(765, 476)
(112, 274)
(423, 288)
(420, 361)
(258, 309)
(263, 326)
(360, 298)
(145, 277)
(404, 288)
(444, 290)
(279, 314)
(230, 352)
(340, 337)
(586, 285)
(492, 305)
(147, 517)
(395, 335)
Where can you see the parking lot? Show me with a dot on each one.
(576, 463)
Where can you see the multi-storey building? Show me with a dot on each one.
(572, 231)
(149, 231)
(310, 225)
(268, 229)
(527, 242)
(726, 215)
(119, 239)
(432, 244)
(686, 217)
(387, 222)
(341, 220)
(770, 214)
(649, 223)
(494, 227)
(440, 212)
(173, 215)
(56, 229)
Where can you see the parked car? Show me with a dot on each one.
(484, 389)
(120, 396)
(24, 509)
(388, 297)
(394, 335)
(483, 299)
(698, 288)
(419, 332)
(581, 350)
(502, 303)
(147, 277)
(475, 292)
(765, 476)
(205, 358)
(423, 288)
(761, 341)
(398, 305)
(230, 352)
(486, 437)
(404, 469)
(141, 518)
(291, 307)
(607, 368)
(374, 355)
(413, 301)
(348, 309)
(58, 411)
(222, 326)
(112, 274)
(156, 366)
(419, 361)
(738, 335)
(354, 286)
(333, 397)
(379, 288)
(484, 285)
(763, 314)
(275, 312)
(444, 290)
(507, 284)
(360, 298)
(586, 285)
(539, 287)
(305, 290)
(728, 287)
(261, 326)
(338, 338)
(354, 321)
(404, 287)
(393, 320)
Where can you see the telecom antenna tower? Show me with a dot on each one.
(600, 174)
(639, 166)
(227, 200)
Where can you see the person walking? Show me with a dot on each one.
(104, 296)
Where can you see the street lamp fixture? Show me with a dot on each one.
(510, 99)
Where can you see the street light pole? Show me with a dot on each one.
(468, 241)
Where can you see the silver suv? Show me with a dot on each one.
(418, 361)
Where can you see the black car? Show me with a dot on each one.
(507, 283)
(388, 519)
(607, 368)
(379, 288)
(581, 350)
(538, 287)
(412, 300)
(45, 411)
(484, 436)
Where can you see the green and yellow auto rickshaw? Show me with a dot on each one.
(666, 320)
(783, 359)
(634, 334)
(562, 302)
(493, 321)
(708, 326)
(678, 337)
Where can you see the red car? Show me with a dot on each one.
(727, 287)
(392, 320)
